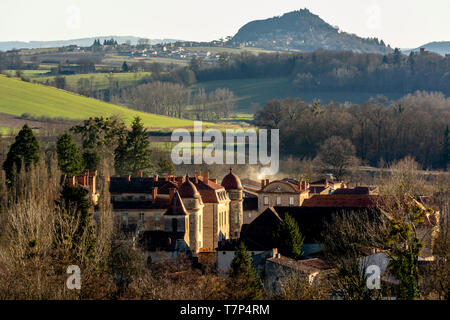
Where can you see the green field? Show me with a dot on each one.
(19, 97)
(100, 80)
(259, 91)
(28, 73)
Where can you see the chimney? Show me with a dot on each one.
(108, 178)
(155, 178)
(72, 181)
(167, 176)
(92, 183)
(262, 183)
(128, 178)
(171, 194)
(206, 177)
(154, 194)
(303, 186)
(267, 182)
(139, 174)
(196, 174)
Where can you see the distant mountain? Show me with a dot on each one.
(439, 47)
(83, 42)
(304, 31)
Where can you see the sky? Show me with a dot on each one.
(400, 23)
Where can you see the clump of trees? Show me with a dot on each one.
(379, 129)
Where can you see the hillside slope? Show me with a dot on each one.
(302, 30)
(439, 47)
(18, 97)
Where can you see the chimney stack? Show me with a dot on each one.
(139, 174)
(303, 186)
(267, 182)
(167, 176)
(262, 183)
(171, 194)
(155, 178)
(128, 178)
(72, 181)
(154, 194)
(108, 178)
(206, 177)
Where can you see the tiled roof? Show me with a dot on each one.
(176, 208)
(188, 189)
(341, 200)
(135, 185)
(312, 222)
(231, 181)
(357, 190)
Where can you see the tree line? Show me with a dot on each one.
(380, 130)
(337, 70)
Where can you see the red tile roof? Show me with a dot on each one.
(341, 200)
(231, 181)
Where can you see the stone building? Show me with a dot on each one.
(233, 186)
(281, 193)
(166, 212)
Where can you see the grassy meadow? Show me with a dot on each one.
(19, 97)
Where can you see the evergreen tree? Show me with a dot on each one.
(403, 248)
(288, 238)
(134, 154)
(245, 283)
(165, 166)
(76, 206)
(125, 67)
(91, 160)
(26, 149)
(70, 160)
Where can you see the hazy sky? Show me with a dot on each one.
(400, 23)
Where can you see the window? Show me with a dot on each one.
(291, 201)
(235, 217)
(266, 200)
(278, 200)
(249, 214)
(157, 217)
(141, 217)
(125, 217)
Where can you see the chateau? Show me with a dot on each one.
(173, 214)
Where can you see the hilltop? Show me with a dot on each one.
(19, 97)
(439, 47)
(304, 31)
